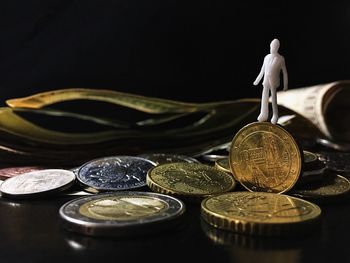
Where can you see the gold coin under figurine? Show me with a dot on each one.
(265, 158)
(260, 213)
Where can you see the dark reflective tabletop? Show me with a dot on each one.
(31, 231)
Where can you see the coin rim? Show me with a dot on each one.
(222, 168)
(185, 158)
(96, 227)
(294, 143)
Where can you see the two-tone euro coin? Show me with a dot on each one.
(121, 213)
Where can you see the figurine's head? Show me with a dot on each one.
(274, 46)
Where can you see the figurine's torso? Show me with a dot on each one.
(273, 65)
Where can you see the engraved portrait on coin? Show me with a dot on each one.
(265, 157)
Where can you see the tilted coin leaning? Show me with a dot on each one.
(264, 157)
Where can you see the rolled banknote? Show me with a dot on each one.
(325, 105)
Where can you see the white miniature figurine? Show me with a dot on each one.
(271, 68)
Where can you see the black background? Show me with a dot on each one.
(187, 50)
(184, 50)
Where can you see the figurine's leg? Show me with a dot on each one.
(264, 111)
(274, 118)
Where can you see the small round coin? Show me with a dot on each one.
(332, 186)
(119, 214)
(37, 183)
(309, 157)
(114, 173)
(162, 158)
(259, 213)
(265, 158)
(189, 180)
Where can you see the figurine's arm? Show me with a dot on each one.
(261, 74)
(285, 75)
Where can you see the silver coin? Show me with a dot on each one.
(162, 158)
(114, 173)
(37, 183)
(213, 157)
(123, 213)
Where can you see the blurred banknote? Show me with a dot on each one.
(325, 105)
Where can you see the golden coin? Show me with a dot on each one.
(264, 157)
(259, 213)
(333, 186)
(189, 180)
(223, 165)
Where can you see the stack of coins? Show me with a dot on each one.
(318, 183)
(267, 161)
(263, 158)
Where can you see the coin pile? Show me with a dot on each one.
(266, 160)
(263, 159)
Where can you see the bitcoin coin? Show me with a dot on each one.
(189, 180)
(264, 157)
(114, 173)
(37, 183)
(161, 158)
(123, 213)
(259, 213)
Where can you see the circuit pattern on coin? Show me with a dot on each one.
(265, 157)
(114, 173)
